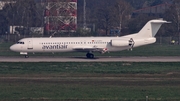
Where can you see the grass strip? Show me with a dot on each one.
(100, 68)
(113, 81)
(87, 92)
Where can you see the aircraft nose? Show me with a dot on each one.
(12, 48)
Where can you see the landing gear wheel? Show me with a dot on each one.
(90, 55)
(26, 56)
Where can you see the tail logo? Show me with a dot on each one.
(131, 42)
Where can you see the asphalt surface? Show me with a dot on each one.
(98, 59)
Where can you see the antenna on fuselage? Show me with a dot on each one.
(52, 35)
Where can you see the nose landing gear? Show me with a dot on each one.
(26, 56)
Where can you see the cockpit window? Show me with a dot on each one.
(20, 42)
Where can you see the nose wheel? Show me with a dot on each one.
(26, 56)
(90, 55)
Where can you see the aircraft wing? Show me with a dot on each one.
(90, 48)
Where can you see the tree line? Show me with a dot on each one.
(104, 14)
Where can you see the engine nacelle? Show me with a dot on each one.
(131, 42)
(120, 43)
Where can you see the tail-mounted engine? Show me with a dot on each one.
(123, 43)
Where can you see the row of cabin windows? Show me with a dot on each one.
(75, 43)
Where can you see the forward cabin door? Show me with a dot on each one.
(30, 44)
(83, 44)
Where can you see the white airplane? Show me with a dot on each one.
(89, 44)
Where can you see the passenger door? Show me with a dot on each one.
(30, 44)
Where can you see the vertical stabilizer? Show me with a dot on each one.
(151, 28)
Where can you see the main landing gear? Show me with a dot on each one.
(90, 55)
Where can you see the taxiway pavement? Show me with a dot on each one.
(98, 59)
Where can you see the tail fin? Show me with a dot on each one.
(151, 28)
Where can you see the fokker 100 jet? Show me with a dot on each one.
(90, 44)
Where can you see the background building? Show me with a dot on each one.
(157, 10)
